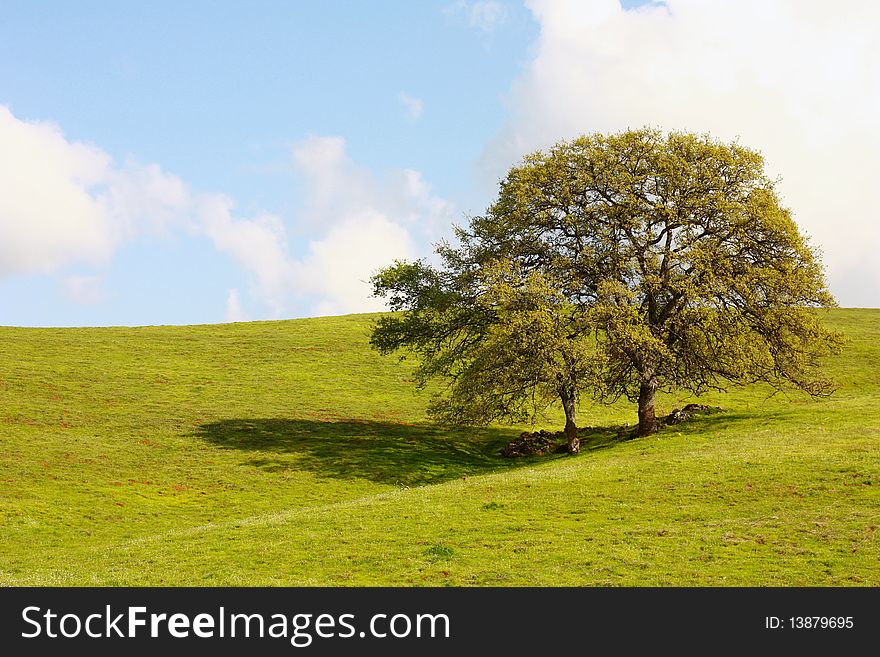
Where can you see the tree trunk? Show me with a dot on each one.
(569, 401)
(647, 419)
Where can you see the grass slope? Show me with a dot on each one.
(288, 453)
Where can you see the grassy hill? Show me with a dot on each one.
(288, 453)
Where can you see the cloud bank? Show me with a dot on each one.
(67, 203)
(797, 79)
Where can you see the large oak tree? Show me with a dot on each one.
(614, 266)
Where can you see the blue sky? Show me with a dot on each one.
(195, 162)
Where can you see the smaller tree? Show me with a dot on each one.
(508, 343)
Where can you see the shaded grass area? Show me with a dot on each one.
(288, 453)
(395, 454)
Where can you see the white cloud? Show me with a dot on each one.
(259, 245)
(48, 213)
(144, 199)
(338, 188)
(338, 266)
(234, 310)
(484, 15)
(65, 202)
(797, 79)
(334, 183)
(367, 222)
(84, 290)
(412, 105)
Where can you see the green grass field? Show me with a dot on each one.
(288, 453)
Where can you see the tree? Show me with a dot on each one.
(643, 262)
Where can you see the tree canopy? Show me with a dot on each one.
(615, 266)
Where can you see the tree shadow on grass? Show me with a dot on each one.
(406, 455)
(384, 452)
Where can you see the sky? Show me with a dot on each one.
(207, 161)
